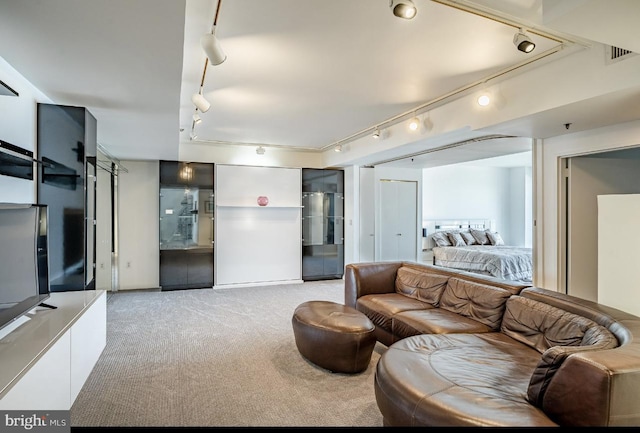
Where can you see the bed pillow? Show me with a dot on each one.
(441, 239)
(495, 238)
(456, 239)
(468, 238)
(480, 236)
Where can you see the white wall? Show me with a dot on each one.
(139, 243)
(467, 192)
(520, 212)
(18, 127)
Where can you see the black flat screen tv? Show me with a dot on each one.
(24, 263)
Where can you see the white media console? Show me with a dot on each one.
(46, 360)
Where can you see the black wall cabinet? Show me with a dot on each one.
(322, 224)
(186, 225)
(67, 147)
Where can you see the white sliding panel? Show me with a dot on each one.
(257, 244)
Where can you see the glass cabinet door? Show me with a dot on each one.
(322, 224)
(186, 225)
(186, 218)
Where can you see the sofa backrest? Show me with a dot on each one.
(421, 284)
(595, 387)
(481, 302)
(513, 286)
(553, 332)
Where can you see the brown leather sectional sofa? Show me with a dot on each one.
(468, 350)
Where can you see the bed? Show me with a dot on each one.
(475, 246)
(501, 261)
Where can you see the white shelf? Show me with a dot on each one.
(256, 206)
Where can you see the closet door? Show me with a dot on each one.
(398, 220)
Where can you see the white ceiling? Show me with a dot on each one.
(299, 74)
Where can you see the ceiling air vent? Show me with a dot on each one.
(615, 54)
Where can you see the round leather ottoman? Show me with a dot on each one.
(333, 336)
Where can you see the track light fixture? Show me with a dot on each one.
(215, 56)
(193, 136)
(212, 48)
(197, 119)
(523, 42)
(200, 102)
(210, 43)
(403, 9)
(338, 148)
(260, 150)
(376, 133)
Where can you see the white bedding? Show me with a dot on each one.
(505, 262)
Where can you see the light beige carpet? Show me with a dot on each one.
(219, 357)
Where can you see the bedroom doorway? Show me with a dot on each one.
(585, 177)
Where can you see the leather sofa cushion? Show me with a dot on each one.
(380, 308)
(457, 380)
(553, 332)
(418, 284)
(542, 326)
(476, 301)
(434, 321)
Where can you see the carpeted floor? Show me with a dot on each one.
(219, 357)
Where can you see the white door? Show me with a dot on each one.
(398, 220)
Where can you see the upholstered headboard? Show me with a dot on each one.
(429, 227)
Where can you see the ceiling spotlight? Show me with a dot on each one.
(197, 119)
(403, 8)
(414, 124)
(484, 100)
(376, 133)
(200, 102)
(260, 150)
(523, 42)
(193, 136)
(338, 148)
(213, 49)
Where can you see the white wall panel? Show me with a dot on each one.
(618, 254)
(257, 244)
(139, 236)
